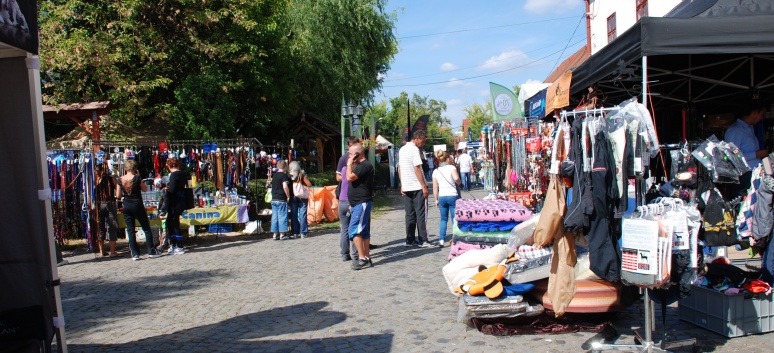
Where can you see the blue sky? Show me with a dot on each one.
(527, 41)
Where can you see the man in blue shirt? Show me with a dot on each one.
(742, 134)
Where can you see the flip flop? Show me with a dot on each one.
(117, 255)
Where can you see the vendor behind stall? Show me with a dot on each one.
(742, 134)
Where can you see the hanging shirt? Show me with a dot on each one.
(742, 135)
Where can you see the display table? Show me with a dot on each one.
(200, 216)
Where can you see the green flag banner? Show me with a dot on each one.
(504, 103)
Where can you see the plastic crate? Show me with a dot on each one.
(728, 315)
(220, 228)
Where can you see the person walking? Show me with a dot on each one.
(280, 197)
(105, 193)
(445, 186)
(465, 164)
(360, 174)
(413, 188)
(175, 199)
(348, 250)
(134, 210)
(298, 222)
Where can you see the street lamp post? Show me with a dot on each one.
(353, 113)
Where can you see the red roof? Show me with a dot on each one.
(568, 64)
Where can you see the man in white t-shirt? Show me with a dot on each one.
(414, 189)
(464, 162)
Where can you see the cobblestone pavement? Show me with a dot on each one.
(254, 294)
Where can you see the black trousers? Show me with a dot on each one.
(414, 204)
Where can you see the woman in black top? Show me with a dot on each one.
(175, 205)
(281, 194)
(134, 209)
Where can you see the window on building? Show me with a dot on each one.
(611, 28)
(642, 9)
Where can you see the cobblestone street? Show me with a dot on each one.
(254, 294)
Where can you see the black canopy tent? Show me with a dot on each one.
(704, 56)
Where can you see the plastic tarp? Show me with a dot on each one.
(322, 205)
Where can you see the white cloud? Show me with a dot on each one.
(484, 93)
(454, 102)
(545, 6)
(447, 66)
(455, 82)
(506, 60)
(531, 81)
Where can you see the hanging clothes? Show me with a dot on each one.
(604, 254)
(581, 206)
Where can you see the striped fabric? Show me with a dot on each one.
(591, 296)
(530, 252)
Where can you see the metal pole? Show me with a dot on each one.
(372, 149)
(343, 143)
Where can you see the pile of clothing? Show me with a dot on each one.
(481, 224)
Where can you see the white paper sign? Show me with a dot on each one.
(639, 244)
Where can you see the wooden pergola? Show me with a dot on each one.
(80, 113)
(325, 135)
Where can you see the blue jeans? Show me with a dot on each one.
(465, 181)
(298, 222)
(347, 247)
(279, 216)
(446, 206)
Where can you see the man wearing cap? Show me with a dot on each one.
(414, 189)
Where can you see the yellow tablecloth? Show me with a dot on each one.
(196, 216)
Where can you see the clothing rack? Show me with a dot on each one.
(645, 343)
(223, 143)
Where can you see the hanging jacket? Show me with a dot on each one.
(581, 207)
(604, 254)
(763, 218)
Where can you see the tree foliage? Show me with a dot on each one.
(478, 114)
(214, 67)
(394, 121)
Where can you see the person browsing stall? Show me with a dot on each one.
(298, 214)
(105, 193)
(134, 210)
(414, 189)
(175, 205)
(742, 134)
(465, 164)
(360, 174)
(280, 197)
(446, 180)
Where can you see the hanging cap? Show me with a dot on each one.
(129, 154)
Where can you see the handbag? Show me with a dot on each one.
(459, 191)
(300, 190)
(267, 197)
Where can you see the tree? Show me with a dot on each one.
(478, 115)
(259, 63)
(438, 126)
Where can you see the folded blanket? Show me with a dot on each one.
(462, 233)
(490, 210)
(482, 226)
(459, 248)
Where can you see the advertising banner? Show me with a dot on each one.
(505, 106)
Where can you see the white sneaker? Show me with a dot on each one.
(425, 245)
(178, 251)
(440, 243)
(135, 258)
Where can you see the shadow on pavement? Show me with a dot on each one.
(247, 333)
(397, 251)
